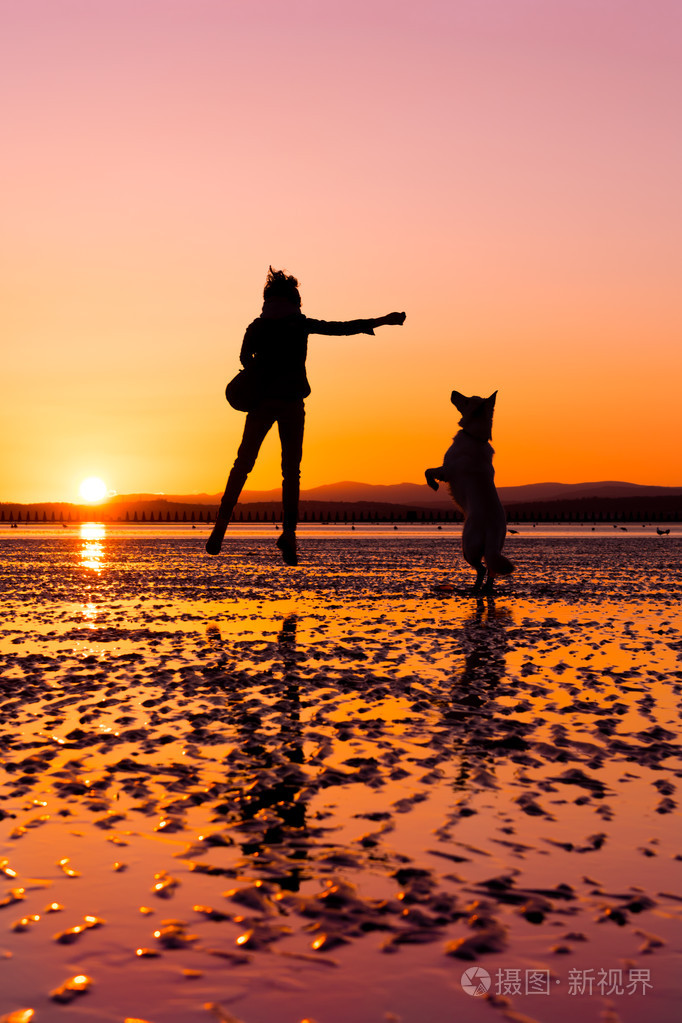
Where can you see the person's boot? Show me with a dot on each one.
(215, 540)
(287, 545)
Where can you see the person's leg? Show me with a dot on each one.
(290, 423)
(255, 428)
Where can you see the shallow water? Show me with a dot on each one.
(328, 785)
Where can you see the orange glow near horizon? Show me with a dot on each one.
(508, 174)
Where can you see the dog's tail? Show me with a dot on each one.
(501, 565)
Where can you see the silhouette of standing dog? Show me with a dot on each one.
(468, 470)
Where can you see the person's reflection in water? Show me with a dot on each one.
(290, 657)
(276, 794)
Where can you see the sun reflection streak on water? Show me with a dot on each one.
(92, 551)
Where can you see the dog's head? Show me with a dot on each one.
(477, 413)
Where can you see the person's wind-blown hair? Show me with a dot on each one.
(279, 284)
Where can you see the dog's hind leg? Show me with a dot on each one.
(472, 549)
(496, 564)
(487, 586)
(479, 586)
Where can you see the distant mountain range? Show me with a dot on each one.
(419, 495)
(608, 500)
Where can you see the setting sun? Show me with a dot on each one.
(93, 489)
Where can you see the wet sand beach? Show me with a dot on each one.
(233, 790)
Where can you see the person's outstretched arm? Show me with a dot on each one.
(342, 327)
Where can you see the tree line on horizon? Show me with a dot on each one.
(589, 510)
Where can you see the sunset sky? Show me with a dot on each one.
(506, 171)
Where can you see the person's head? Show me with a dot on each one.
(280, 286)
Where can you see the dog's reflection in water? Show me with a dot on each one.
(484, 643)
(479, 730)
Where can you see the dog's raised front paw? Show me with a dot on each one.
(431, 479)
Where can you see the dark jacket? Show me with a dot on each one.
(276, 347)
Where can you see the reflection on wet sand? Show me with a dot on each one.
(333, 790)
(473, 716)
(272, 804)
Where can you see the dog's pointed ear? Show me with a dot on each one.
(491, 398)
(458, 400)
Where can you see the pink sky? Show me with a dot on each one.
(506, 171)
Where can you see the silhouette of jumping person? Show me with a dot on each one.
(275, 345)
